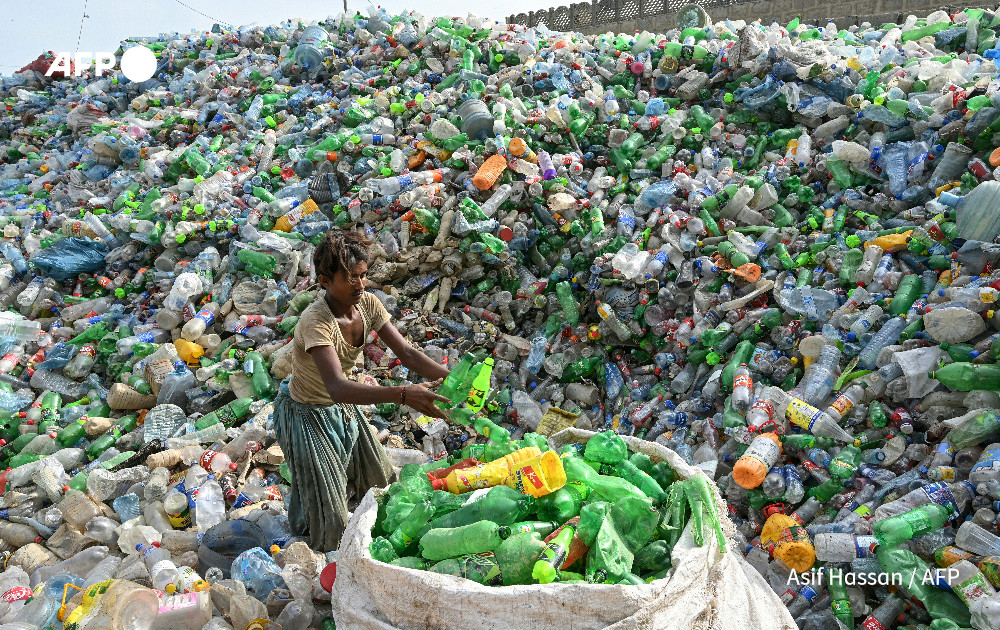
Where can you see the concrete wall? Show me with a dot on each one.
(657, 16)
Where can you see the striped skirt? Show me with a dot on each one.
(333, 457)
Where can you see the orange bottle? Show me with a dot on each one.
(891, 242)
(752, 467)
(520, 149)
(489, 172)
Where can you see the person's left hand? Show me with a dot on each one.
(421, 398)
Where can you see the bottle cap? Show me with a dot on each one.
(328, 576)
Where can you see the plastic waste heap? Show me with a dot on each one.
(768, 247)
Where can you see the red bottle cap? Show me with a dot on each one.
(328, 576)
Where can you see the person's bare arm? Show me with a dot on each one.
(343, 390)
(411, 358)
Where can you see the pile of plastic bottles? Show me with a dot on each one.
(614, 516)
(769, 248)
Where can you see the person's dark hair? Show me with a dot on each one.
(341, 249)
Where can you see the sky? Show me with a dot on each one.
(30, 28)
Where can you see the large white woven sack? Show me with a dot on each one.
(705, 590)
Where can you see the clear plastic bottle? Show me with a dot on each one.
(886, 336)
(174, 386)
(103, 570)
(820, 376)
(845, 402)
(977, 540)
(742, 389)
(958, 495)
(210, 508)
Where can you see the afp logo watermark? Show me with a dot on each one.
(137, 64)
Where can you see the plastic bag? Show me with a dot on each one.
(70, 257)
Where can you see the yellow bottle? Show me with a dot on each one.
(91, 602)
(480, 386)
(286, 222)
(891, 242)
(786, 539)
(189, 351)
(527, 470)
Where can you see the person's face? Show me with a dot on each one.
(347, 285)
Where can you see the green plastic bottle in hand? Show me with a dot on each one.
(546, 568)
(481, 386)
(450, 387)
(438, 544)
(407, 532)
(902, 527)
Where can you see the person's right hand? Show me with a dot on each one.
(422, 399)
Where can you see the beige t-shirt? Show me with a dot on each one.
(317, 326)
